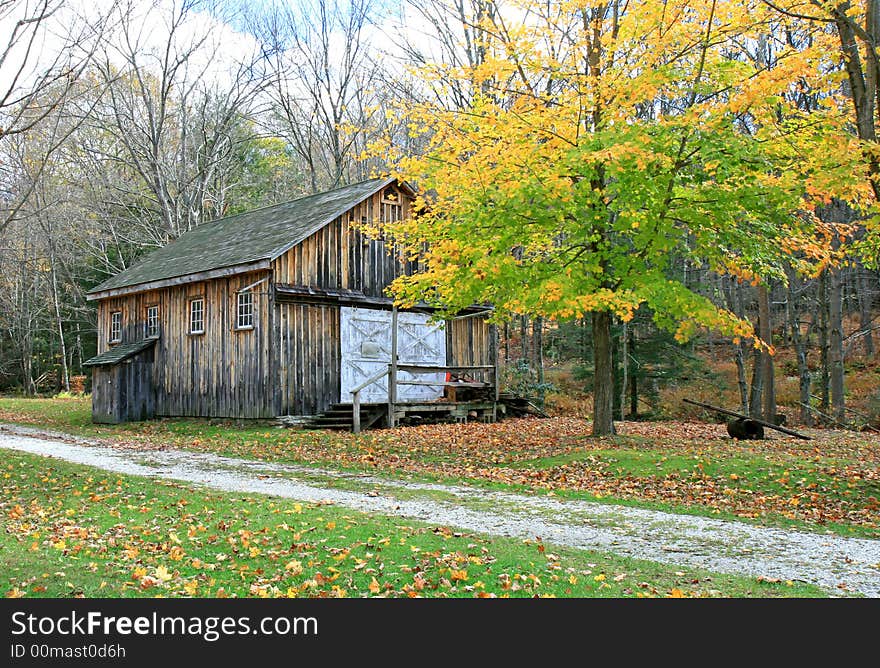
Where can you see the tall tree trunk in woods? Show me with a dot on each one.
(836, 212)
(768, 385)
(603, 378)
(739, 359)
(800, 348)
(79, 350)
(624, 368)
(633, 379)
(524, 338)
(59, 322)
(733, 295)
(585, 337)
(824, 345)
(538, 355)
(506, 343)
(865, 303)
(835, 351)
(756, 385)
(633, 396)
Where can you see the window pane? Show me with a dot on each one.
(197, 316)
(116, 326)
(152, 328)
(245, 310)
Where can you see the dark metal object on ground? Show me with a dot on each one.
(745, 430)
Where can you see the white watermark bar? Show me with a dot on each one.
(209, 629)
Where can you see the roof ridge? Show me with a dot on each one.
(242, 238)
(272, 206)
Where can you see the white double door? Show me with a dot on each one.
(366, 350)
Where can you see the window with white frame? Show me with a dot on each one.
(245, 310)
(197, 316)
(152, 323)
(116, 327)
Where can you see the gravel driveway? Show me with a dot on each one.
(834, 563)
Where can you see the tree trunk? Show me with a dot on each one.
(800, 349)
(59, 323)
(633, 380)
(865, 303)
(756, 385)
(524, 338)
(624, 368)
(733, 296)
(768, 386)
(741, 380)
(824, 347)
(835, 352)
(603, 379)
(538, 355)
(79, 351)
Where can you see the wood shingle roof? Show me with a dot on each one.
(121, 352)
(241, 241)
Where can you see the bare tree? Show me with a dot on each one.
(172, 112)
(41, 70)
(327, 88)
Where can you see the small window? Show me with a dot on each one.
(152, 325)
(116, 327)
(245, 310)
(392, 210)
(197, 316)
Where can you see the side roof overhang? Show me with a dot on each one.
(119, 353)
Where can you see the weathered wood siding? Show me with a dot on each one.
(124, 392)
(469, 343)
(341, 256)
(307, 357)
(222, 373)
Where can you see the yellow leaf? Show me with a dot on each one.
(676, 593)
(162, 574)
(294, 567)
(374, 586)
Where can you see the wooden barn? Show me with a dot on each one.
(282, 311)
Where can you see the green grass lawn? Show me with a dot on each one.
(71, 530)
(831, 483)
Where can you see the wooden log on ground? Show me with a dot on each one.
(740, 416)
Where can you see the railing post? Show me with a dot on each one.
(392, 368)
(356, 412)
(495, 383)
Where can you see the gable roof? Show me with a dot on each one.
(121, 352)
(242, 242)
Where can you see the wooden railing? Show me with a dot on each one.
(356, 398)
(393, 382)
